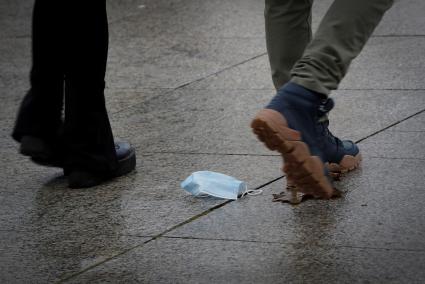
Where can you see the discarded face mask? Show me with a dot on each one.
(204, 183)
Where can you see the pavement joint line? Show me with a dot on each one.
(112, 89)
(271, 155)
(209, 154)
(220, 71)
(137, 89)
(292, 244)
(115, 36)
(204, 213)
(274, 90)
(408, 131)
(382, 89)
(394, 158)
(63, 280)
(398, 35)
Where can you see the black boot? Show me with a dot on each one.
(126, 156)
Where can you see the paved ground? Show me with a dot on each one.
(184, 79)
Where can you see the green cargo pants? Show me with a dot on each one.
(318, 63)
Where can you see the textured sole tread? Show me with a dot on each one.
(305, 171)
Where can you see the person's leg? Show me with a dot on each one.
(40, 114)
(289, 124)
(340, 37)
(288, 31)
(88, 133)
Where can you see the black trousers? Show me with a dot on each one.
(69, 54)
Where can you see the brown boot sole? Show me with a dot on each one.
(305, 171)
(348, 163)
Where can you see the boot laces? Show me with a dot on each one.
(323, 122)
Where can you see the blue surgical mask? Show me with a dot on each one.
(215, 184)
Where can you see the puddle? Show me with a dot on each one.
(292, 197)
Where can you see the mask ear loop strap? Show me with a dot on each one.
(251, 192)
(254, 192)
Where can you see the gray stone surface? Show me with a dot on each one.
(202, 19)
(391, 64)
(360, 113)
(43, 256)
(118, 100)
(15, 65)
(145, 228)
(403, 19)
(217, 121)
(170, 62)
(216, 261)
(371, 214)
(194, 121)
(144, 203)
(396, 145)
(36, 205)
(259, 77)
(187, 45)
(414, 124)
(14, 19)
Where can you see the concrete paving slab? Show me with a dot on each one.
(160, 60)
(52, 231)
(252, 75)
(216, 19)
(15, 64)
(239, 18)
(15, 15)
(194, 122)
(404, 18)
(215, 261)
(181, 17)
(144, 203)
(217, 121)
(170, 62)
(136, 64)
(169, 43)
(10, 107)
(8, 144)
(118, 100)
(385, 63)
(414, 124)
(374, 234)
(371, 213)
(15, 18)
(45, 257)
(388, 63)
(406, 145)
(358, 114)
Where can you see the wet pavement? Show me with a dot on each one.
(184, 79)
